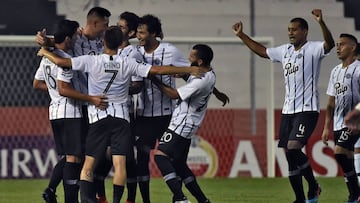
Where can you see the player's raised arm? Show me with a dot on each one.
(43, 40)
(253, 45)
(62, 62)
(329, 40)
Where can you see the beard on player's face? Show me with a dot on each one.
(194, 63)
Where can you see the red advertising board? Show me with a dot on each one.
(224, 146)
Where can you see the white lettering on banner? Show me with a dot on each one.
(50, 159)
(4, 165)
(20, 158)
(24, 160)
(325, 160)
(245, 150)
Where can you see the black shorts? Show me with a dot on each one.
(345, 139)
(115, 131)
(298, 126)
(174, 146)
(150, 129)
(69, 135)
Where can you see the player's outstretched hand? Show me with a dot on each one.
(352, 120)
(317, 13)
(99, 101)
(237, 28)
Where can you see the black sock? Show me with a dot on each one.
(71, 181)
(307, 172)
(87, 192)
(57, 174)
(118, 191)
(170, 177)
(143, 174)
(101, 171)
(131, 190)
(295, 177)
(348, 168)
(194, 188)
(131, 180)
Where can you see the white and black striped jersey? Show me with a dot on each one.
(301, 70)
(84, 46)
(110, 76)
(60, 106)
(344, 85)
(151, 101)
(132, 52)
(192, 104)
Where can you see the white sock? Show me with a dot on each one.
(357, 165)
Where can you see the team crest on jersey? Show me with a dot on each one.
(299, 56)
(157, 61)
(99, 45)
(348, 76)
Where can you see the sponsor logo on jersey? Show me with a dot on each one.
(340, 88)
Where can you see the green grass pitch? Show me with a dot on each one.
(219, 190)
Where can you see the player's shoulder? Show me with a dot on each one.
(167, 46)
(313, 44)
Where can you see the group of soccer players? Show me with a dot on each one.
(99, 81)
(93, 115)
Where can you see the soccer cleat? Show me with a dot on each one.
(101, 199)
(49, 196)
(316, 198)
(128, 201)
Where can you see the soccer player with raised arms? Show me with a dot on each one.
(301, 68)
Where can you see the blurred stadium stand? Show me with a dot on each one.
(24, 17)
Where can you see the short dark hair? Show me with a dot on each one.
(131, 19)
(153, 24)
(204, 52)
(349, 36)
(99, 12)
(303, 23)
(65, 28)
(113, 37)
